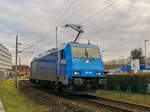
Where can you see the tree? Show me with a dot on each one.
(138, 54)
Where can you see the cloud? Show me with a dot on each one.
(118, 30)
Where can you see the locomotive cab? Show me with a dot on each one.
(80, 65)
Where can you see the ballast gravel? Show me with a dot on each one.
(54, 103)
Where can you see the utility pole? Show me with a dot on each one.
(56, 36)
(57, 51)
(16, 59)
(19, 60)
(145, 54)
(16, 66)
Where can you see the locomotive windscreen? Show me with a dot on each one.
(85, 52)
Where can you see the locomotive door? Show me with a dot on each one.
(61, 65)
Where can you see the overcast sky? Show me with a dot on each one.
(118, 30)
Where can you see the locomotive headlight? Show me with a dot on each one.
(87, 61)
(76, 73)
(98, 73)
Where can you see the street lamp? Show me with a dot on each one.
(145, 54)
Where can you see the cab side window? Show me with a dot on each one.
(62, 54)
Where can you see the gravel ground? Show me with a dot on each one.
(54, 103)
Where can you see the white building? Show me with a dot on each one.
(5, 60)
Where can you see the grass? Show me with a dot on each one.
(14, 101)
(143, 99)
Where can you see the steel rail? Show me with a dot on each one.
(99, 102)
(112, 102)
(110, 107)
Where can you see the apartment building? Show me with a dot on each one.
(5, 61)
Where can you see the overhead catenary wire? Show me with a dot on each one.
(55, 23)
(67, 9)
(50, 23)
(99, 12)
(109, 4)
(46, 34)
(75, 12)
(79, 10)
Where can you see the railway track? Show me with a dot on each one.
(115, 104)
(100, 102)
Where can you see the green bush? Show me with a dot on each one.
(131, 82)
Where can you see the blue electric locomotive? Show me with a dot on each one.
(71, 66)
